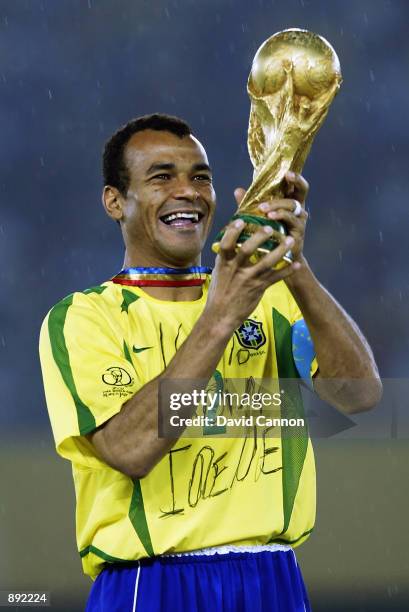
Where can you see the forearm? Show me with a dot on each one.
(129, 442)
(348, 376)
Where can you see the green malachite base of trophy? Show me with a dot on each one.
(253, 224)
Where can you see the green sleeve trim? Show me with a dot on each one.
(128, 299)
(138, 518)
(294, 447)
(97, 289)
(100, 553)
(56, 322)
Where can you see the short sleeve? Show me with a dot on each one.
(302, 344)
(87, 372)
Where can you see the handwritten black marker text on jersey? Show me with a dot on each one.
(204, 478)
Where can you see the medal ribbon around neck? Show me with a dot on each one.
(162, 277)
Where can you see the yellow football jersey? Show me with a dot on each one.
(97, 349)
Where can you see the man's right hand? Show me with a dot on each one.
(237, 285)
(129, 441)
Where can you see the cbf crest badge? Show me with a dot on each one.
(250, 334)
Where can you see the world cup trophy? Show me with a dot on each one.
(294, 77)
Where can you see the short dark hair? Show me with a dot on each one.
(115, 170)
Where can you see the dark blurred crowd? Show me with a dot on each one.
(72, 71)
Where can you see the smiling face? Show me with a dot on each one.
(168, 209)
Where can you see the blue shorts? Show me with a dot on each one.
(232, 582)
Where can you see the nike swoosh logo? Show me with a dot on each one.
(142, 348)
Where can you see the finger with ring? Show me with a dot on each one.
(297, 209)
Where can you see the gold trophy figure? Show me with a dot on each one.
(294, 77)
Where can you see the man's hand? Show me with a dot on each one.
(348, 377)
(296, 190)
(237, 285)
(129, 441)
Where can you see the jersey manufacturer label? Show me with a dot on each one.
(140, 349)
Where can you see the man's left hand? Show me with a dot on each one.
(296, 190)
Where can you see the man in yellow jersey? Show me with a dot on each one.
(205, 523)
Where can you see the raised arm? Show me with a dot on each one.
(129, 441)
(348, 377)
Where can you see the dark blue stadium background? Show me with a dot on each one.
(72, 71)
